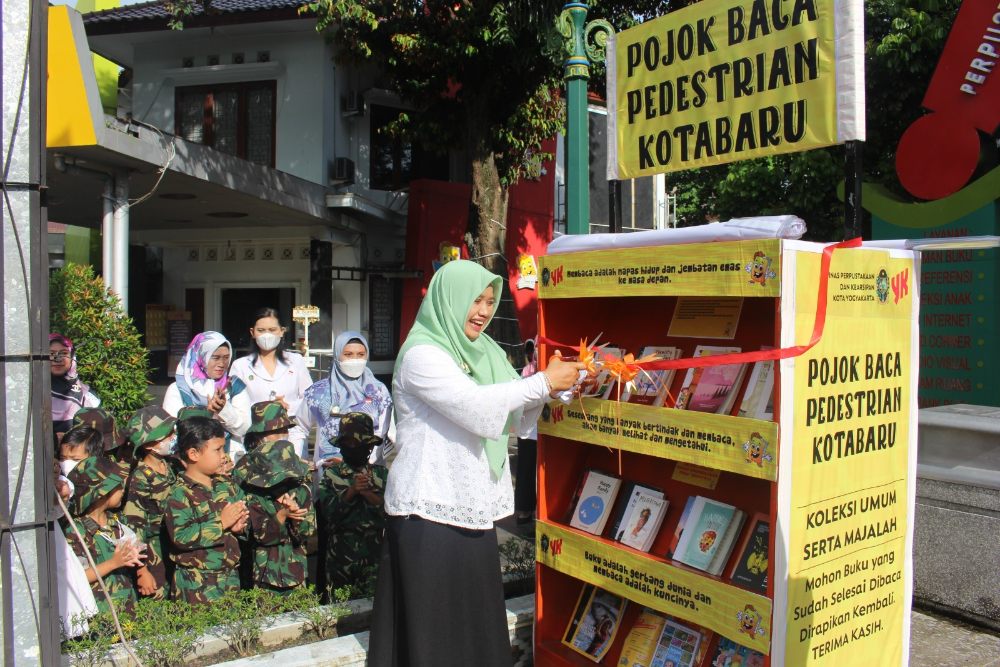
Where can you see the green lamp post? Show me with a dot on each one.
(580, 52)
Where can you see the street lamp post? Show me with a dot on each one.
(577, 33)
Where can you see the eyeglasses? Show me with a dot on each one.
(58, 356)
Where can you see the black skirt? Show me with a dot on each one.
(439, 599)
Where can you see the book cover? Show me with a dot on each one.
(731, 654)
(642, 640)
(679, 530)
(644, 521)
(703, 532)
(716, 389)
(652, 387)
(595, 622)
(694, 376)
(726, 544)
(757, 396)
(601, 384)
(678, 645)
(597, 497)
(628, 495)
(750, 569)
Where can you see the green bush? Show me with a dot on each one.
(110, 357)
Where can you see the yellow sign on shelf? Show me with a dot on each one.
(740, 268)
(737, 444)
(740, 615)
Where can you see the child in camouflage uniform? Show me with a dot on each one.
(282, 519)
(151, 434)
(204, 515)
(269, 421)
(351, 494)
(99, 488)
(113, 438)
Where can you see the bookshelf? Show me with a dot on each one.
(838, 486)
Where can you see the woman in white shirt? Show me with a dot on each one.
(202, 379)
(439, 599)
(270, 372)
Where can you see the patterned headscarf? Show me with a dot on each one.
(329, 399)
(68, 393)
(192, 375)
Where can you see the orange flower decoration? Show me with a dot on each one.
(587, 357)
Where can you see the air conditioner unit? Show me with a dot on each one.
(352, 104)
(342, 170)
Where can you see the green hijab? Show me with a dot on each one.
(441, 322)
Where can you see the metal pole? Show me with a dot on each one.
(575, 29)
(107, 230)
(615, 206)
(119, 273)
(853, 173)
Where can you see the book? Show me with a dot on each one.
(596, 499)
(627, 495)
(642, 640)
(707, 389)
(677, 647)
(731, 654)
(641, 526)
(602, 384)
(704, 531)
(750, 568)
(726, 544)
(757, 400)
(595, 621)
(652, 387)
(680, 525)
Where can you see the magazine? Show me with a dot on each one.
(595, 622)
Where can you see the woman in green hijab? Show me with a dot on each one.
(439, 599)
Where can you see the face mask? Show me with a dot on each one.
(267, 341)
(352, 368)
(355, 457)
(166, 447)
(67, 466)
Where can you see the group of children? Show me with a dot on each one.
(158, 510)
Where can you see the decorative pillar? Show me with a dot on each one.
(580, 52)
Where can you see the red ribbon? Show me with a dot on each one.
(760, 355)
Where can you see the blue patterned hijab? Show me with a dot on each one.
(329, 399)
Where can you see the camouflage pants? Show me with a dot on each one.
(196, 586)
(351, 557)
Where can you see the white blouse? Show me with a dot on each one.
(441, 471)
(290, 380)
(234, 416)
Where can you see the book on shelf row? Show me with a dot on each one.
(653, 640)
(714, 389)
(705, 538)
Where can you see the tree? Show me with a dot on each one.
(110, 357)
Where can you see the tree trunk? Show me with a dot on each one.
(487, 238)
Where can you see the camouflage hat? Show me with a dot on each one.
(149, 425)
(270, 464)
(94, 478)
(101, 420)
(356, 430)
(189, 411)
(268, 416)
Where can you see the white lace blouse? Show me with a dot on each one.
(441, 472)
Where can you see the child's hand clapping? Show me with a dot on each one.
(128, 554)
(234, 516)
(290, 509)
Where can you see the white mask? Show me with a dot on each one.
(166, 447)
(352, 368)
(267, 341)
(67, 466)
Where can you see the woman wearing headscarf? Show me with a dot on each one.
(202, 380)
(69, 393)
(439, 599)
(351, 387)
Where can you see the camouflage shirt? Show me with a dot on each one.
(194, 524)
(279, 548)
(356, 526)
(121, 582)
(144, 510)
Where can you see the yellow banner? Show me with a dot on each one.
(850, 464)
(732, 612)
(740, 445)
(741, 268)
(718, 82)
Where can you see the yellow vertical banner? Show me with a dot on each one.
(722, 81)
(846, 492)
